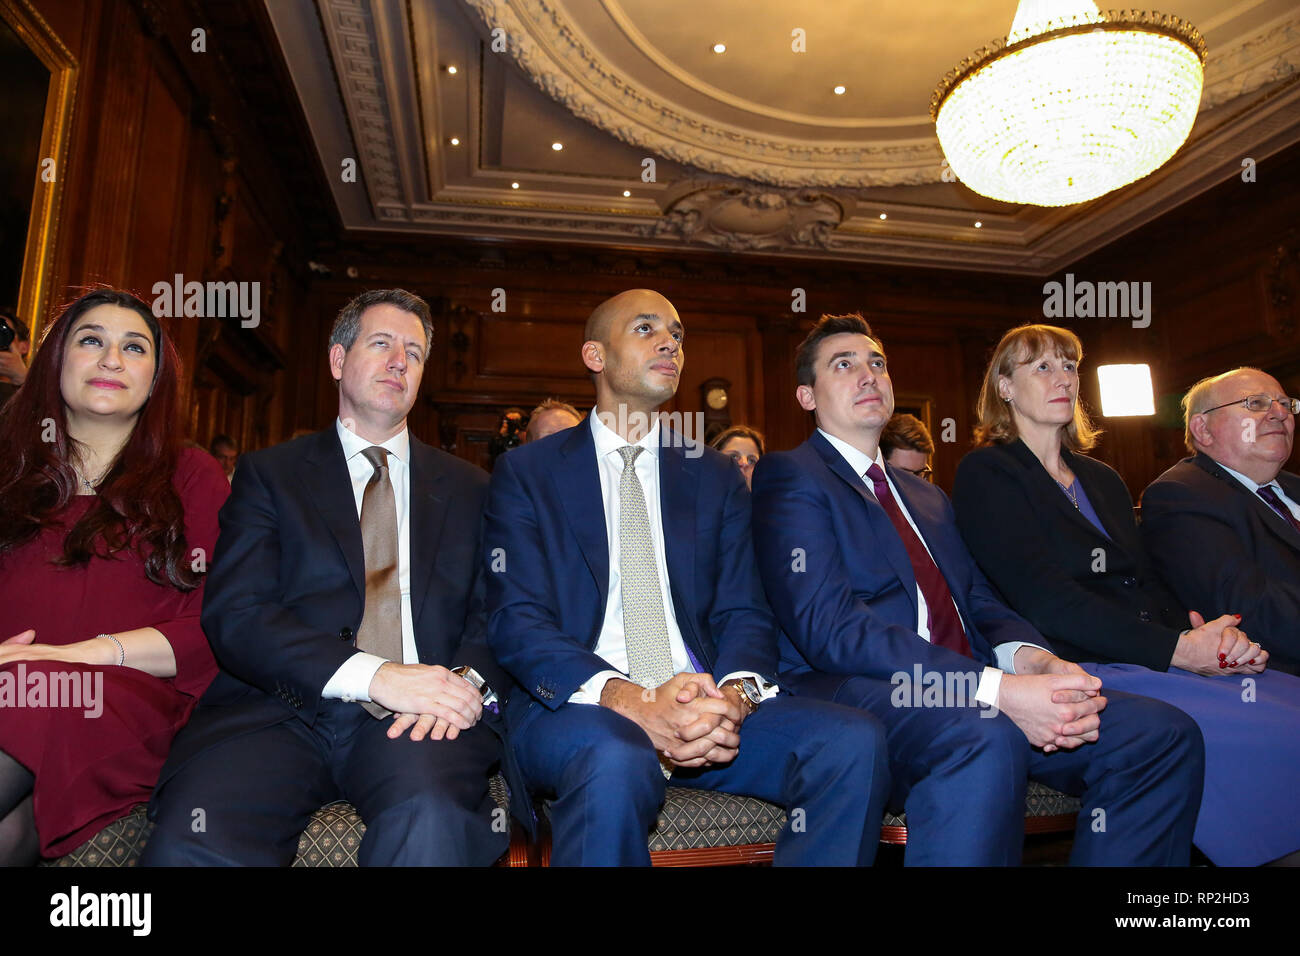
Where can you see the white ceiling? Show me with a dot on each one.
(752, 150)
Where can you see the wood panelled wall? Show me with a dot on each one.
(740, 326)
(199, 163)
(166, 176)
(1224, 270)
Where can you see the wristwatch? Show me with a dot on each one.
(477, 682)
(748, 690)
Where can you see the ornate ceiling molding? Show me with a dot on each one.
(350, 31)
(550, 50)
(1270, 54)
(744, 218)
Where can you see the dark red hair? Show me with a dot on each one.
(137, 507)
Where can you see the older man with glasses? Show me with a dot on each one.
(1223, 525)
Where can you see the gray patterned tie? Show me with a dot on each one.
(645, 632)
(649, 654)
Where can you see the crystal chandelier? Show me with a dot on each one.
(1071, 104)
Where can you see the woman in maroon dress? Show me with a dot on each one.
(106, 527)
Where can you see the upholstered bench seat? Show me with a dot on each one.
(694, 828)
(332, 838)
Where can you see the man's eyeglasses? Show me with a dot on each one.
(923, 473)
(1260, 403)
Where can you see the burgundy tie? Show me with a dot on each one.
(945, 623)
(1268, 494)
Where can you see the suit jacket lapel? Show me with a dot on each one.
(325, 473)
(1273, 521)
(886, 534)
(577, 484)
(1041, 483)
(678, 487)
(428, 510)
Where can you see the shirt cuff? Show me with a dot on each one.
(352, 681)
(990, 683)
(590, 691)
(1005, 654)
(766, 690)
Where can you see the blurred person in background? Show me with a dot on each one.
(744, 446)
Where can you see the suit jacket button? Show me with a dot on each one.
(1130, 582)
(1145, 617)
(345, 634)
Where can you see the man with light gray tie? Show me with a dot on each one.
(624, 599)
(344, 604)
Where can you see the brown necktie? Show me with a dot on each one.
(381, 623)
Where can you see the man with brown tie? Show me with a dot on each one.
(351, 668)
(1223, 526)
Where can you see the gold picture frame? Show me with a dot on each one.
(42, 228)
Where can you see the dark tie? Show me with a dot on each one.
(945, 623)
(1268, 494)
(380, 632)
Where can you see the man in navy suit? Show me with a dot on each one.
(1223, 526)
(623, 598)
(345, 606)
(877, 594)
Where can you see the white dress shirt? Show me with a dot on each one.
(991, 678)
(352, 680)
(611, 645)
(1253, 487)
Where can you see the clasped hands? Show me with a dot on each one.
(1218, 648)
(1055, 703)
(688, 718)
(428, 700)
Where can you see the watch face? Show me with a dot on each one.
(716, 398)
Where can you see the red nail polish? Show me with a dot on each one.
(1223, 657)
(1234, 663)
(1252, 660)
(1223, 663)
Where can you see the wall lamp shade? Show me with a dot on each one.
(1072, 104)
(1126, 390)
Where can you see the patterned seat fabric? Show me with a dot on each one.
(118, 844)
(332, 838)
(691, 819)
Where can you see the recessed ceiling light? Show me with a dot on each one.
(978, 224)
(514, 185)
(839, 91)
(557, 146)
(719, 48)
(451, 69)
(883, 216)
(627, 193)
(455, 141)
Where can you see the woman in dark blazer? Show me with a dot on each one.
(1054, 531)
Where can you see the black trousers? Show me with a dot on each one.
(246, 800)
